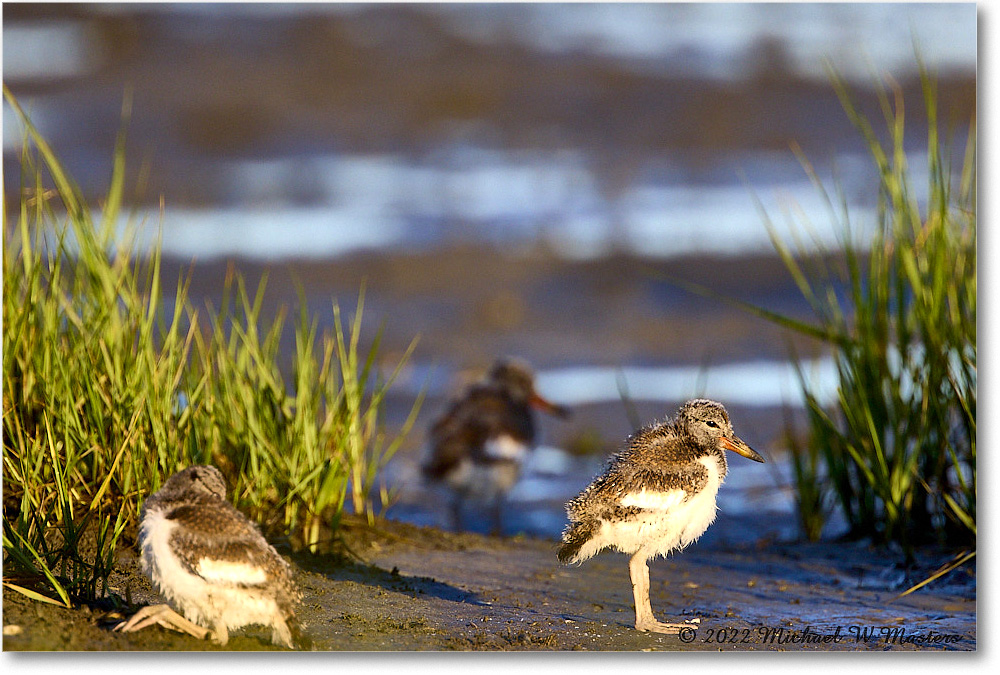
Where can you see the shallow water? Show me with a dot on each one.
(757, 383)
(513, 199)
(754, 383)
(295, 190)
(696, 40)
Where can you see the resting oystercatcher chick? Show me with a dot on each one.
(655, 496)
(211, 563)
(478, 445)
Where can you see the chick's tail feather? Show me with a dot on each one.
(575, 536)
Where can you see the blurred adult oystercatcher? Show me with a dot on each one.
(655, 496)
(478, 445)
(211, 562)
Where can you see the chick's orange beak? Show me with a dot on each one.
(739, 447)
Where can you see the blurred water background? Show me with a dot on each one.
(506, 179)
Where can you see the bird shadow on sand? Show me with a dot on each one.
(341, 568)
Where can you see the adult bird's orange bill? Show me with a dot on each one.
(547, 406)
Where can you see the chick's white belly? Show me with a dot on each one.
(664, 523)
(658, 532)
(207, 604)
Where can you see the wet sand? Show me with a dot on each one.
(413, 588)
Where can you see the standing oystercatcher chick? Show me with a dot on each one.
(477, 446)
(655, 496)
(211, 563)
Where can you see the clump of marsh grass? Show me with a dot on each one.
(109, 388)
(299, 449)
(87, 397)
(896, 451)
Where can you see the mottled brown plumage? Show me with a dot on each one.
(478, 445)
(211, 562)
(655, 496)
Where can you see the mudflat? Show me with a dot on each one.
(405, 587)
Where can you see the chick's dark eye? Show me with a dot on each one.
(712, 424)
